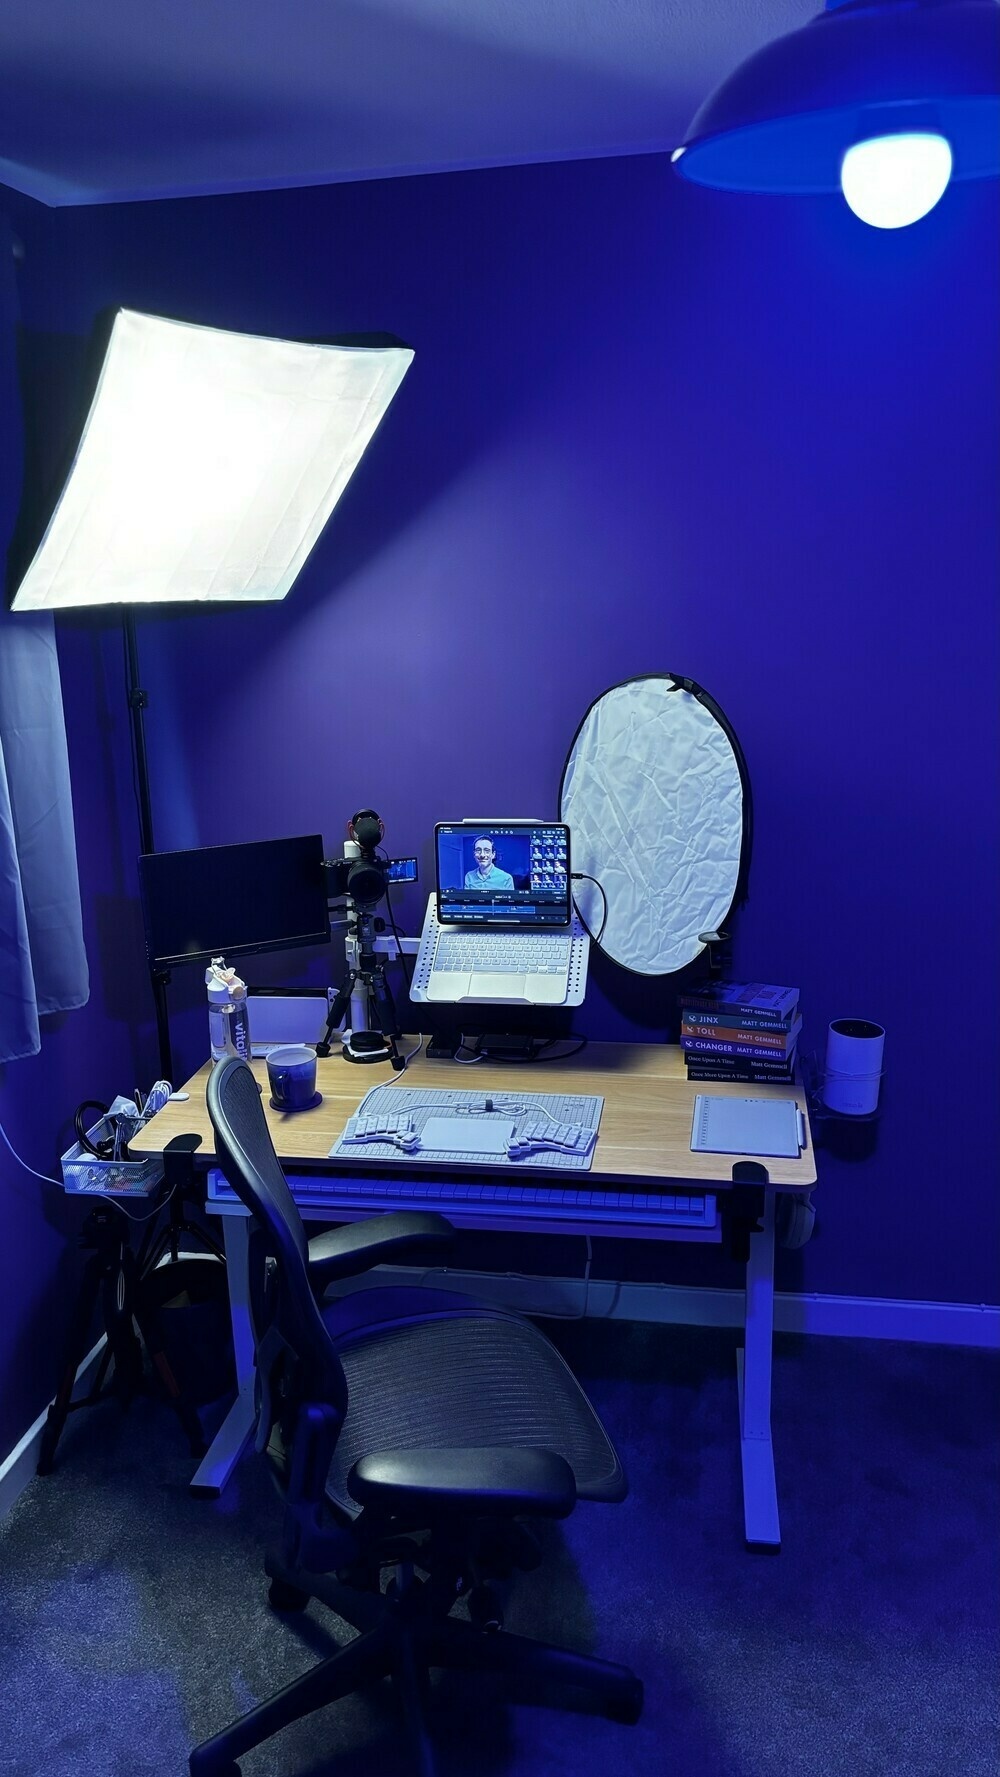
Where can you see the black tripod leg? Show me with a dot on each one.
(337, 1011)
(385, 1017)
(119, 1299)
(79, 1330)
(148, 1327)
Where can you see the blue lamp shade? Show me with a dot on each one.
(857, 74)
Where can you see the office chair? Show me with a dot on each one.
(409, 1429)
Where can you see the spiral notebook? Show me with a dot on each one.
(772, 1127)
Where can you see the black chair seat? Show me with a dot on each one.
(468, 1377)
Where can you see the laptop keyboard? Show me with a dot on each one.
(503, 953)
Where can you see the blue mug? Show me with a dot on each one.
(291, 1073)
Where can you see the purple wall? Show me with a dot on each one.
(647, 427)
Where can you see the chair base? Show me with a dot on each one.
(404, 1646)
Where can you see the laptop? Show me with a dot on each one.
(504, 912)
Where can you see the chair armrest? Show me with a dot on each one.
(489, 1480)
(356, 1247)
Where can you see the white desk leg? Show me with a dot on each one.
(230, 1440)
(753, 1372)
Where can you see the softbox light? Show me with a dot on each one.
(208, 465)
(656, 795)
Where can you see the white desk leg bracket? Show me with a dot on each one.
(753, 1374)
(234, 1433)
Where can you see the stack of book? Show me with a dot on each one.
(740, 1030)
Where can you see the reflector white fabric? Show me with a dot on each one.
(208, 466)
(654, 801)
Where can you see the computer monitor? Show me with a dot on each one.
(514, 873)
(233, 900)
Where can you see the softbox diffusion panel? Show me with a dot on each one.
(656, 796)
(208, 466)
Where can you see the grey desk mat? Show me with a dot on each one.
(422, 1103)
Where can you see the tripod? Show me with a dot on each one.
(365, 982)
(120, 1279)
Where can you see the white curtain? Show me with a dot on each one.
(43, 964)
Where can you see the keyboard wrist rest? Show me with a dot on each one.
(356, 1247)
(488, 1480)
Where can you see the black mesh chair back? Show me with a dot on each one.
(293, 1336)
(465, 1426)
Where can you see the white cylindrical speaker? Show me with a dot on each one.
(854, 1049)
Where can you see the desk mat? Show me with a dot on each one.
(421, 1104)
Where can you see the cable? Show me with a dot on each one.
(44, 1176)
(525, 1277)
(127, 1212)
(379, 1084)
(581, 1043)
(94, 1195)
(407, 971)
(581, 876)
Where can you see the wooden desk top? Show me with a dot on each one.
(645, 1127)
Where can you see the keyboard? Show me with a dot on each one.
(456, 1126)
(502, 953)
(519, 1199)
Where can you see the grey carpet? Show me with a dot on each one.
(134, 1619)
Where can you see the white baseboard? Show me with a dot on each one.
(19, 1467)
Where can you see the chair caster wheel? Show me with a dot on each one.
(284, 1599)
(626, 1706)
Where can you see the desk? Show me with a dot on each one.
(643, 1143)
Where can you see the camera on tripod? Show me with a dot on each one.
(361, 875)
(362, 878)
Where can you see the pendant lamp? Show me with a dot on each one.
(886, 101)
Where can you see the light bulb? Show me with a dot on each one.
(891, 181)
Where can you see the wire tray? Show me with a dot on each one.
(85, 1175)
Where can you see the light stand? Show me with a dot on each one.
(137, 701)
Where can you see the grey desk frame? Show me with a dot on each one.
(753, 1359)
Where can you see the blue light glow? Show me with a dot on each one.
(891, 181)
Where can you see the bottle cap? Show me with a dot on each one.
(218, 980)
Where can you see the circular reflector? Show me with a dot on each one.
(656, 796)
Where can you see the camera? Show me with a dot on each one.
(361, 874)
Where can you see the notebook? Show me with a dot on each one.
(772, 1127)
(504, 912)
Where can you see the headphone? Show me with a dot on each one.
(101, 1150)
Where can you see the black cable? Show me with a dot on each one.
(581, 876)
(547, 1044)
(407, 971)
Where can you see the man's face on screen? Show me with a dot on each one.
(483, 851)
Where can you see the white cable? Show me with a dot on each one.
(93, 1195)
(42, 1175)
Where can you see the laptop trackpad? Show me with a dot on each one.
(498, 987)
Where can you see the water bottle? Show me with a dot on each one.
(228, 1013)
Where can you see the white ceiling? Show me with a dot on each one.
(112, 100)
